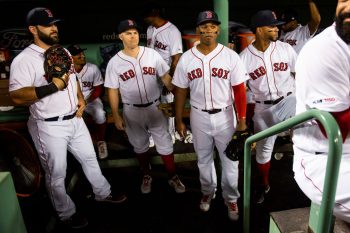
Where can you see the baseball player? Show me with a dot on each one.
(165, 38)
(322, 82)
(270, 65)
(133, 72)
(55, 122)
(211, 71)
(296, 34)
(91, 83)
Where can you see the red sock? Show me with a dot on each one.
(263, 173)
(101, 131)
(168, 161)
(144, 159)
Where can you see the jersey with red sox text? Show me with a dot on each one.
(325, 86)
(136, 77)
(298, 37)
(27, 70)
(270, 71)
(166, 40)
(210, 77)
(89, 77)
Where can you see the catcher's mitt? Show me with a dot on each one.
(235, 148)
(57, 63)
(168, 109)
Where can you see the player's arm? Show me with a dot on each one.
(180, 100)
(28, 95)
(315, 17)
(239, 92)
(166, 79)
(81, 101)
(95, 93)
(174, 60)
(343, 120)
(113, 98)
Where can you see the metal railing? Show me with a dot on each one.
(333, 162)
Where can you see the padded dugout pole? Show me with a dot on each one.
(221, 7)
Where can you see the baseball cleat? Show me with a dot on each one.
(232, 208)
(102, 149)
(261, 194)
(116, 199)
(146, 184)
(176, 183)
(206, 201)
(76, 221)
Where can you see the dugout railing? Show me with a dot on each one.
(325, 217)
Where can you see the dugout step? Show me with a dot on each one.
(297, 221)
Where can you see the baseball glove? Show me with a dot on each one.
(168, 109)
(235, 148)
(57, 63)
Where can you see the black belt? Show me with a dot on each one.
(63, 118)
(143, 105)
(211, 111)
(273, 102)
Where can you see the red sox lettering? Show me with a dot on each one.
(131, 73)
(261, 71)
(215, 72)
(160, 45)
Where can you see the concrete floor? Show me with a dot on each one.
(163, 210)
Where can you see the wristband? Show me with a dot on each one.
(46, 90)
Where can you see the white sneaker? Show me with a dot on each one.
(146, 184)
(188, 138)
(206, 201)
(176, 183)
(233, 213)
(102, 149)
(151, 141)
(178, 137)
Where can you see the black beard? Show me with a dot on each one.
(47, 39)
(343, 30)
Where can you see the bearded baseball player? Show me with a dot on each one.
(212, 71)
(322, 82)
(55, 122)
(133, 72)
(270, 65)
(296, 34)
(91, 83)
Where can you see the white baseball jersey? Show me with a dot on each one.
(322, 82)
(136, 78)
(325, 86)
(166, 40)
(27, 70)
(270, 71)
(208, 75)
(298, 37)
(89, 77)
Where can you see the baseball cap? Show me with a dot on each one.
(206, 16)
(264, 18)
(289, 15)
(75, 49)
(153, 9)
(40, 16)
(126, 25)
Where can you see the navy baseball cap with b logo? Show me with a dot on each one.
(126, 25)
(41, 16)
(264, 18)
(207, 16)
(289, 15)
(75, 49)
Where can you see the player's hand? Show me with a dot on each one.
(181, 129)
(61, 82)
(81, 107)
(119, 123)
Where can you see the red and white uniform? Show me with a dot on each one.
(270, 79)
(137, 81)
(167, 41)
(52, 139)
(298, 37)
(210, 79)
(322, 82)
(89, 77)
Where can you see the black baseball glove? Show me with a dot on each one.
(57, 63)
(235, 148)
